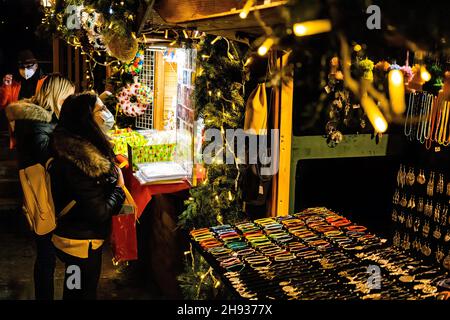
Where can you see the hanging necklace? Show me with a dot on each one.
(427, 131)
(409, 112)
(442, 132)
(433, 115)
(421, 124)
(445, 138)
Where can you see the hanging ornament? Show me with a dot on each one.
(366, 66)
(121, 46)
(133, 98)
(92, 23)
(135, 67)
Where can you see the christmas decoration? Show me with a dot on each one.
(134, 99)
(135, 66)
(221, 73)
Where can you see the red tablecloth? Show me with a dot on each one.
(143, 194)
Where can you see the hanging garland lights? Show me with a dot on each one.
(306, 19)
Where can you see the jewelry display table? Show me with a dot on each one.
(315, 254)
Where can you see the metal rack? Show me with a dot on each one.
(147, 77)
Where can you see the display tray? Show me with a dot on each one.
(314, 255)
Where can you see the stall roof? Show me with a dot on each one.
(218, 17)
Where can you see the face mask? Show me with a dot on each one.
(27, 73)
(108, 120)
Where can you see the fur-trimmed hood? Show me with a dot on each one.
(81, 153)
(25, 110)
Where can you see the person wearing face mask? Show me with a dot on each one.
(84, 170)
(34, 120)
(22, 86)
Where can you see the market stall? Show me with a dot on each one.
(336, 100)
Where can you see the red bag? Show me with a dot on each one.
(123, 232)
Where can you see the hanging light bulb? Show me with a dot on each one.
(397, 91)
(185, 34)
(265, 47)
(312, 27)
(166, 34)
(424, 74)
(357, 48)
(245, 11)
(374, 114)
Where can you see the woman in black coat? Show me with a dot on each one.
(84, 171)
(33, 121)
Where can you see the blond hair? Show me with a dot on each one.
(52, 90)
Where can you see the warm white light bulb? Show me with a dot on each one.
(396, 77)
(424, 74)
(265, 47)
(380, 124)
(312, 27)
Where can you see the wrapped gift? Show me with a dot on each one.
(152, 153)
(123, 137)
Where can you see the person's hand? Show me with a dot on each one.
(7, 79)
(120, 181)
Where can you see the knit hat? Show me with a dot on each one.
(26, 57)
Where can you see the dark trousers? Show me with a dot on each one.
(44, 267)
(89, 273)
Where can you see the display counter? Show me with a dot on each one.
(315, 255)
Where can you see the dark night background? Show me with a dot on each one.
(18, 22)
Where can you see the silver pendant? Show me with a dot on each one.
(394, 215)
(421, 177)
(437, 233)
(409, 222)
(430, 185)
(404, 201)
(410, 177)
(444, 213)
(416, 225)
(420, 205)
(426, 229)
(440, 254)
(440, 185)
(437, 211)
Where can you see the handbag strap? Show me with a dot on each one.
(67, 208)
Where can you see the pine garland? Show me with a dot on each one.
(219, 100)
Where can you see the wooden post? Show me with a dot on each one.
(275, 111)
(56, 49)
(69, 63)
(287, 91)
(77, 69)
(158, 103)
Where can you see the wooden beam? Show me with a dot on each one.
(287, 91)
(184, 11)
